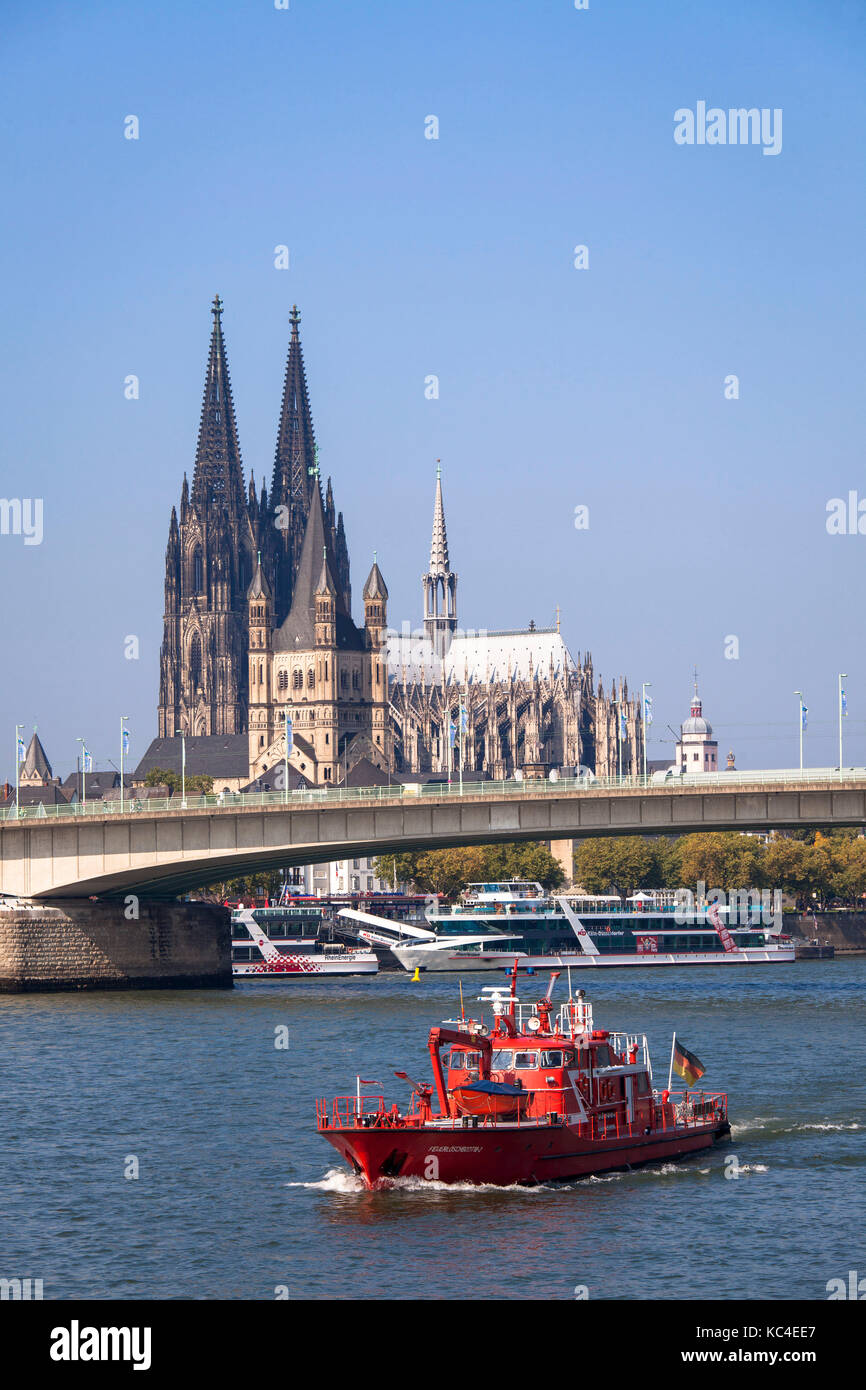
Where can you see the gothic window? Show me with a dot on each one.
(197, 572)
(244, 575)
(282, 680)
(195, 661)
(344, 680)
(355, 680)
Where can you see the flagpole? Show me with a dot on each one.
(84, 772)
(461, 745)
(644, 688)
(286, 787)
(800, 693)
(183, 770)
(842, 677)
(671, 1067)
(124, 717)
(18, 728)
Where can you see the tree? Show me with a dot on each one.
(721, 859)
(615, 864)
(198, 784)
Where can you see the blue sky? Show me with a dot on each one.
(409, 257)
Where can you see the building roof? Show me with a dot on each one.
(259, 586)
(365, 774)
(298, 632)
(439, 564)
(271, 780)
(211, 755)
(35, 795)
(375, 586)
(35, 762)
(480, 657)
(96, 783)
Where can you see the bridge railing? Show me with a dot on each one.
(407, 792)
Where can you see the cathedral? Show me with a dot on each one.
(260, 649)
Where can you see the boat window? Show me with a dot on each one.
(463, 1061)
(603, 1056)
(642, 1083)
(501, 1061)
(525, 1061)
(552, 1059)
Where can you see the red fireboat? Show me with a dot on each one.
(541, 1098)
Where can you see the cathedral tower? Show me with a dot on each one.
(440, 585)
(208, 567)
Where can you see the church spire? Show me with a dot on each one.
(218, 476)
(440, 585)
(295, 461)
(439, 542)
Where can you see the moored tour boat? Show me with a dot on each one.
(539, 1098)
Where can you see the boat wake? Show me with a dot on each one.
(773, 1126)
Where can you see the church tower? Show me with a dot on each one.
(440, 585)
(259, 603)
(208, 567)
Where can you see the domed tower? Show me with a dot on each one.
(697, 750)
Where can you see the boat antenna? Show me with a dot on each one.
(462, 1014)
(513, 995)
(569, 983)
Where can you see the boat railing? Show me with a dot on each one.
(671, 1110)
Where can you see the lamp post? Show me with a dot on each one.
(124, 735)
(18, 761)
(803, 707)
(644, 688)
(843, 710)
(182, 770)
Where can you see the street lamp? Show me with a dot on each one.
(182, 770)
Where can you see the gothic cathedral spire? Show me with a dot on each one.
(440, 584)
(203, 660)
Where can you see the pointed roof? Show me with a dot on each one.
(439, 564)
(35, 767)
(326, 583)
(375, 586)
(298, 632)
(296, 444)
(259, 586)
(218, 475)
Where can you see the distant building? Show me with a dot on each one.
(697, 750)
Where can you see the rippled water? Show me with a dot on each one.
(237, 1195)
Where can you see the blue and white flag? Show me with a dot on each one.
(844, 698)
(22, 751)
(623, 725)
(804, 710)
(88, 760)
(452, 735)
(464, 719)
(124, 739)
(290, 739)
(648, 709)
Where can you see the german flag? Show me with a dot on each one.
(686, 1064)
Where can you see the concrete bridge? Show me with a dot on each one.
(165, 848)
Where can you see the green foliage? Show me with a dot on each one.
(199, 784)
(832, 867)
(448, 871)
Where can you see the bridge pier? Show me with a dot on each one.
(76, 944)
